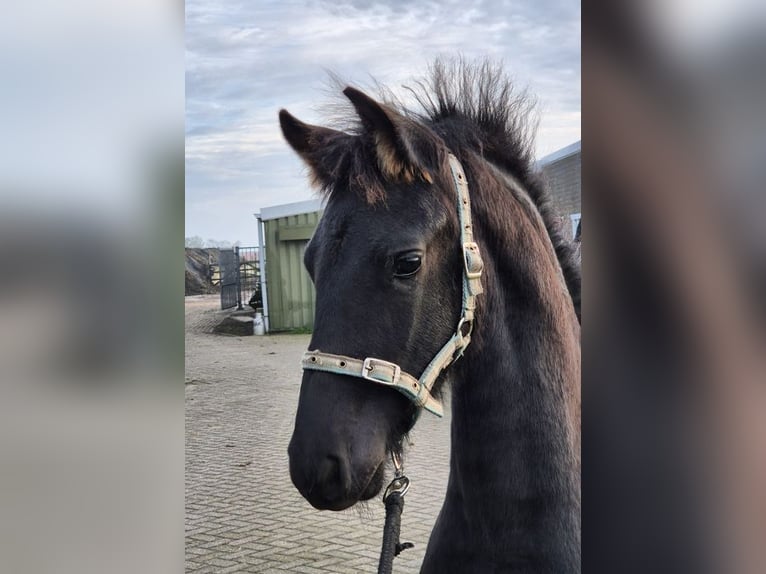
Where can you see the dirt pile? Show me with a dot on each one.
(198, 273)
(239, 324)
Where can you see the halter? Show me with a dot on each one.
(418, 390)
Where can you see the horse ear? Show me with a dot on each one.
(396, 155)
(309, 142)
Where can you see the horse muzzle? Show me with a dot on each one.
(330, 482)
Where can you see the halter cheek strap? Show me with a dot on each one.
(418, 390)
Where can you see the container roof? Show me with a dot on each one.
(288, 209)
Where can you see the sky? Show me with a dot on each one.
(247, 59)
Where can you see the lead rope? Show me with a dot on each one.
(393, 499)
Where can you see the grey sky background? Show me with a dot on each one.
(247, 59)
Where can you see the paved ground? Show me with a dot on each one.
(242, 512)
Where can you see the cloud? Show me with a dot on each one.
(245, 60)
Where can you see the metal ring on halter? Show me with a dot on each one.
(462, 338)
(400, 484)
(463, 321)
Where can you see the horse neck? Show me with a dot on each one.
(516, 398)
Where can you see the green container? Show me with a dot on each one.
(291, 296)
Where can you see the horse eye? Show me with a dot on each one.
(407, 265)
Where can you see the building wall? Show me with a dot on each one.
(290, 291)
(564, 180)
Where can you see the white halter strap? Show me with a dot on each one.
(418, 390)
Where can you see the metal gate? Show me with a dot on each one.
(250, 277)
(240, 275)
(228, 268)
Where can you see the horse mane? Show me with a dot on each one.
(469, 107)
(476, 107)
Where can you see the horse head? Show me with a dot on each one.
(387, 264)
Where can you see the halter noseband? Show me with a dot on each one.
(390, 374)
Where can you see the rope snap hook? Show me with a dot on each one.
(396, 459)
(393, 499)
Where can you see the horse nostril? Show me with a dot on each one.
(329, 470)
(333, 477)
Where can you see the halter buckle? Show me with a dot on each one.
(474, 264)
(374, 370)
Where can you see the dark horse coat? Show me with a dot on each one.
(387, 266)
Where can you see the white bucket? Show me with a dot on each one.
(258, 326)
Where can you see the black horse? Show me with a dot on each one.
(388, 266)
